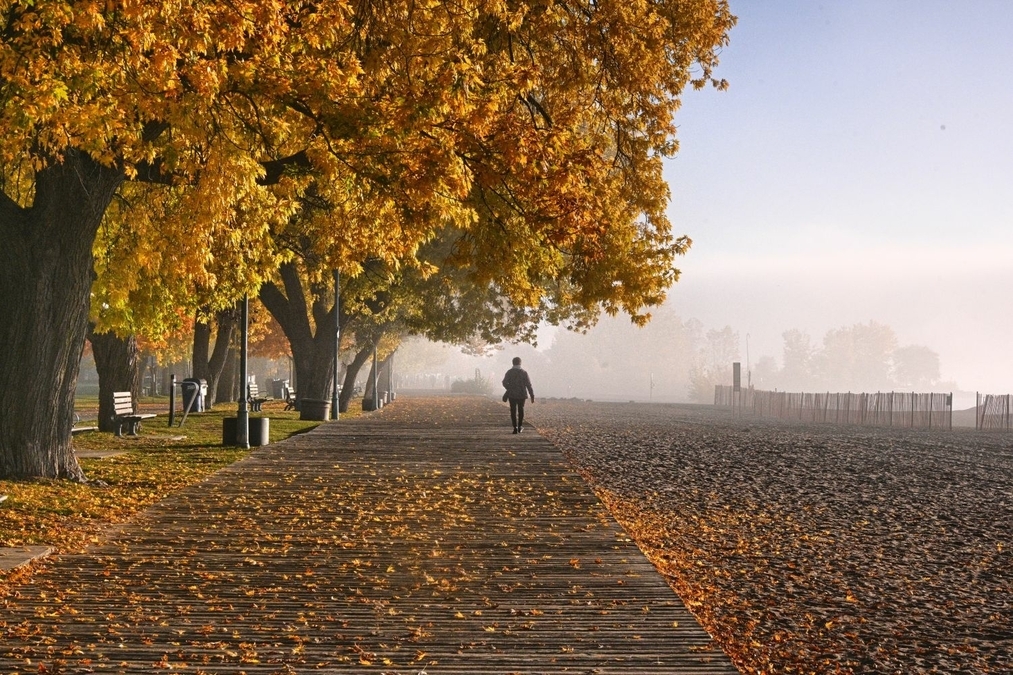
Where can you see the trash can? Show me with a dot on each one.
(194, 392)
(259, 431)
(314, 409)
(278, 388)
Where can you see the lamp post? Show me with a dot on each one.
(243, 414)
(376, 381)
(337, 345)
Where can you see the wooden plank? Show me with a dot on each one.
(451, 546)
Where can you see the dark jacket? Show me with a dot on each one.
(517, 383)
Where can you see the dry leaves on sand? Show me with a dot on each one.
(814, 549)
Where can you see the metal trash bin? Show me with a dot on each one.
(277, 388)
(195, 392)
(258, 431)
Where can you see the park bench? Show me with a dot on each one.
(124, 415)
(254, 397)
(289, 398)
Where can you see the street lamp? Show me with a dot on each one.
(337, 345)
(243, 414)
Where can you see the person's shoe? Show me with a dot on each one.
(516, 430)
(520, 429)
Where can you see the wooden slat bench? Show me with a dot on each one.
(289, 399)
(125, 416)
(254, 397)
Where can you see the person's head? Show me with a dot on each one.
(517, 360)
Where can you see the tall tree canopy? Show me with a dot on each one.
(513, 122)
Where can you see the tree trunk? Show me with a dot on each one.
(211, 367)
(367, 391)
(313, 353)
(45, 279)
(384, 376)
(227, 321)
(118, 366)
(377, 373)
(228, 383)
(149, 373)
(351, 374)
(201, 348)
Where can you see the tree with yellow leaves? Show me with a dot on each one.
(511, 122)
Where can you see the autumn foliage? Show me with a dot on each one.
(532, 131)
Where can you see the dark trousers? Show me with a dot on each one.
(517, 411)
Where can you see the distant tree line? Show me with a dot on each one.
(863, 357)
(672, 359)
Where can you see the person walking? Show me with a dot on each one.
(518, 388)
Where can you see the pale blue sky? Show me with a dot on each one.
(858, 168)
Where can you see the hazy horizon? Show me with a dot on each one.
(856, 169)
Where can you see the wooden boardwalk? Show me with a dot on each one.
(378, 545)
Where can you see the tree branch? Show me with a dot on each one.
(275, 168)
(275, 301)
(533, 104)
(151, 172)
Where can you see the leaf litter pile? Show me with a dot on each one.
(815, 548)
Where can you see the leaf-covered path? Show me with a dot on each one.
(425, 537)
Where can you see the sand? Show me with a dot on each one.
(816, 548)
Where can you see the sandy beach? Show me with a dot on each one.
(812, 548)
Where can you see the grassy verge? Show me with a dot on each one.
(151, 466)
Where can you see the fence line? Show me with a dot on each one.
(993, 412)
(891, 409)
